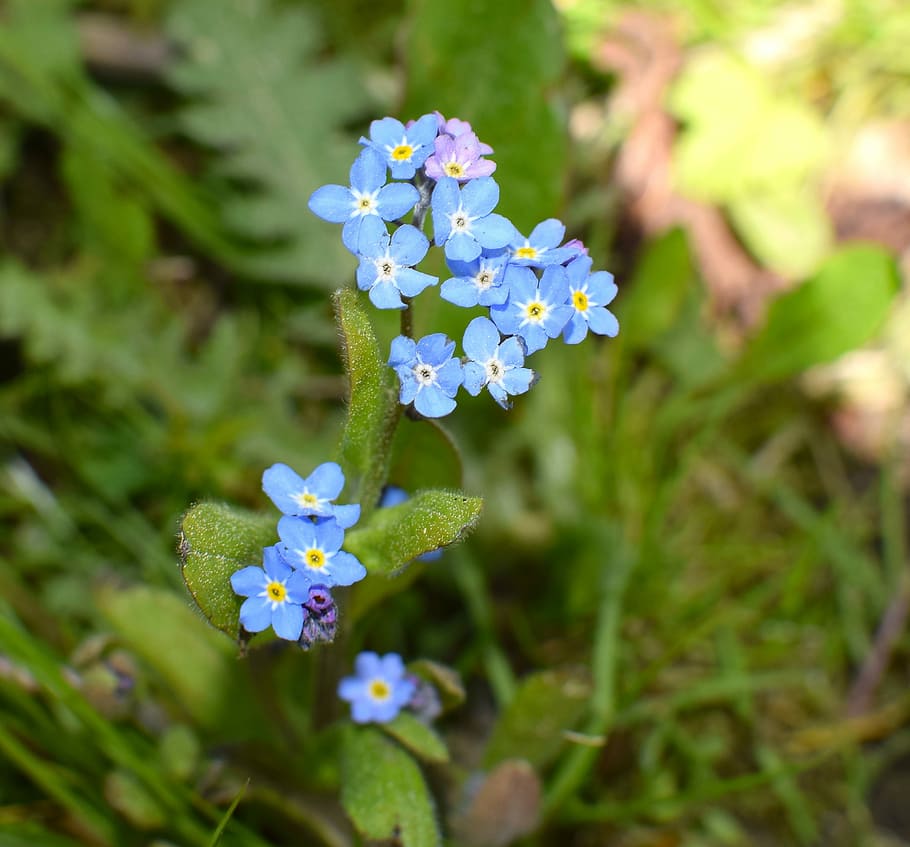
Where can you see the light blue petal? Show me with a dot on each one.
(248, 581)
(480, 196)
(512, 352)
(368, 170)
(274, 564)
(547, 233)
(603, 322)
(373, 239)
(450, 376)
(435, 348)
(554, 285)
(423, 130)
(462, 247)
(522, 283)
(601, 288)
(255, 614)
(557, 318)
(506, 318)
(297, 533)
(446, 196)
(367, 665)
(499, 394)
(474, 378)
(351, 688)
(392, 668)
(493, 232)
(387, 131)
(396, 200)
(403, 691)
(332, 203)
(281, 483)
(350, 232)
(385, 711)
(409, 385)
(465, 269)
(518, 380)
(460, 291)
(403, 170)
(329, 535)
(366, 275)
(578, 270)
(404, 351)
(556, 256)
(494, 296)
(441, 227)
(345, 569)
(362, 710)
(385, 295)
(411, 282)
(326, 481)
(347, 515)
(287, 621)
(298, 587)
(409, 245)
(576, 330)
(432, 403)
(535, 338)
(481, 338)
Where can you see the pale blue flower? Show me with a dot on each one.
(588, 295)
(310, 497)
(380, 689)
(275, 593)
(428, 374)
(313, 548)
(496, 366)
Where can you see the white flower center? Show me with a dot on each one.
(460, 221)
(424, 374)
(385, 268)
(364, 203)
(495, 370)
(485, 277)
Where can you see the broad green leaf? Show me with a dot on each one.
(654, 296)
(532, 727)
(496, 65)
(787, 230)
(838, 310)
(275, 110)
(446, 681)
(419, 738)
(127, 795)
(424, 455)
(383, 791)
(372, 404)
(395, 536)
(216, 540)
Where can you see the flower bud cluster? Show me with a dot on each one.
(535, 288)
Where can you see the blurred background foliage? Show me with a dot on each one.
(682, 619)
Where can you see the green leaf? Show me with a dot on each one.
(513, 54)
(419, 738)
(396, 535)
(545, 705)
(838, 310)
(372, 402)
(445, 679)
(216, 540)
(384, 792)
(276, 111)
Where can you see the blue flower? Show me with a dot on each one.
(479, 282)
(495, 366)
(540, 249)
(368, 199)
(394, 495)
(535, 310)
(314, 549)
(386, 267)
(404, 149)
(380, 689)
(275, 593)
(588, 295)
(310, 497)
(428, 374)
(462, 222)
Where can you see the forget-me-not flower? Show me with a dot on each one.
(459, 157)
(368, 198)
(313, 548)
(536, 310)
(456, 127)
(404, 148)
(541, 248)
(275, 595)
(588, 295)
(380, 689)
(479, 282)
(310, 497)
(496, 366)
(429, 376)
(463, 222)
(386, 267)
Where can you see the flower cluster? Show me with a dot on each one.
(535, 288)
(291, 591)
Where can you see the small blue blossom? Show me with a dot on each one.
(479, 282)
(540, 248)
(310, 497)
(368, 199)
(386, 267)
(536, 310)
(588, 295)
(380, 689)
(275, 593)
(314, 550)
(429, 376)
(462, 219)
(404, 149)
(394, 495)
(495, 366)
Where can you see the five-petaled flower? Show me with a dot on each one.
(479, 282)
(380, 689)
(386, 267)
(313, 548)
(368, 199)
(536, 309)
(429, 375)
(459, 157)
(404, 148)
(540, 248)
(496, 366)
(463, 219)
(588, 295)
(275, 595)
(310, 497)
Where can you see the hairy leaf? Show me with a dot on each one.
(420, 739)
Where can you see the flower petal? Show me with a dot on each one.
(396, 199)
(287, 621)
(347, 515)
(409, 245)
(480, 196)
(384, 295)
(432, 403)
(248, 581)
(603, 322)
(326, 481)
(411, 282)
(547, 233)
(368, 170)
(481, 338)
(255, 614)
(332, 203)
(345, 569)
(460, 291)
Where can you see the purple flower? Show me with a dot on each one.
(314, 549)
(588, 295)
(495, 366)
(462, 219)
(540, 248)
(456, 127)
(367, 198)
(386, 267)
(310, 497)
(459, 157)
(428, 374)
(535, 311)
(275, 596)
(380, 688)
(404, 149)
(479, 282)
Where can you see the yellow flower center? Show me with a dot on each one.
(365, 202)
(379, 689)
(580, 301)
(453, 169)
(307, 500)
(526, 253)
(276, 592)
(314, 558)
(402, 152)
(535, 311)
